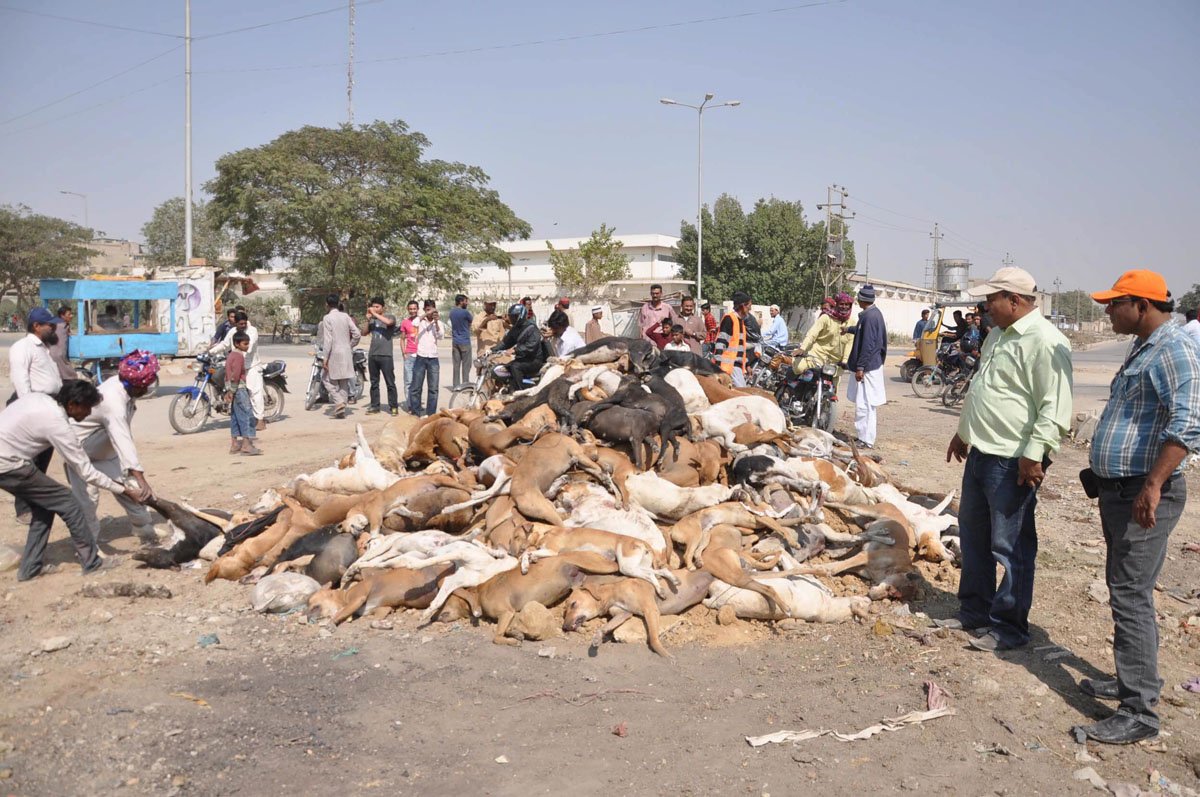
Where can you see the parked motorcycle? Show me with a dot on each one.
(195, 404)
(810, 398)
(766, 372)
(316, 393)
(487, 386)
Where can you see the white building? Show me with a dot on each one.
(900, 302)
(651, 260)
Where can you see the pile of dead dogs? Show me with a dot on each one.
(626, 482)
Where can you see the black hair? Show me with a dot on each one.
(238, 337)
(655, 287)
(231, 311)
(924, 313)
(240, 316)
(460, 297)
(79, 391)
(429, 303)
(377, 300)
(526, 299)
(1163, 307)
(676, 328)
(739, 298)
(558, 319)
(331, 301)
(241, 308)
(1190, 315)
(63, 310)
(411, 302)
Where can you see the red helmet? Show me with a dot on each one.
(138, 369)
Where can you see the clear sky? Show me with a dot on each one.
(1063, 132)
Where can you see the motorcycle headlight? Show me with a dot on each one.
(829, 369)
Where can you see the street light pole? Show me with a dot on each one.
(187, 133)
(86, 223)
(699, 109)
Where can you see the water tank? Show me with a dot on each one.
(951, 275)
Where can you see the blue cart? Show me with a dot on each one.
(100, 331)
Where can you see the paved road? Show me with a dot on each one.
(1094, 370)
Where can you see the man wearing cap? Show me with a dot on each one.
(106, 436)
(865, 361)
(592, 331)
(1149, 425)
(564, 304)
(1015, 414)
(654, 311)
(33, 370)
(488, 328)
(776, 333)
(731, 351)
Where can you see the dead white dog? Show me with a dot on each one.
(667, 500)
(803, 598)
(591, 506)
(366, 475)
(382, 550)
(719, 420)
(684, 381)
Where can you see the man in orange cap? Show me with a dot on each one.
(1151, 422)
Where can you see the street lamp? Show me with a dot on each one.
(85, 206)
(699, 109)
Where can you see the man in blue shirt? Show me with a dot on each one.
(919, 329)
(1150, 424)
(460, 341)
(865, 362)
(776, 333)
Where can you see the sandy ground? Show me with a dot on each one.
(135, 704)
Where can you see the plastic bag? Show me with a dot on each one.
(282, 592)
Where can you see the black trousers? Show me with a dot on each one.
(522, 369)
(382, 365)
(47, 498)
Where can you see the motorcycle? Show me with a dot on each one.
(194, 404)
(929, 381)
(317, 394)
(765, 371)
(487, 385)
(810, 398)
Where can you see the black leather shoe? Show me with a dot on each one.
(1104, 690)
(1117, 729)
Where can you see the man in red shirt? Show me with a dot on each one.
(710, 327)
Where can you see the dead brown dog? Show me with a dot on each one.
(699, 463)
(633, 557)
(551, 456)
(443, 437)
(885, 561)
(379, 593)
(723, 557)
(242, 559)
(622, 598)
(547, 582)
(692, 531)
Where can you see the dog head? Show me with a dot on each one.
(898, 586)
(325, 603)
(455, 608)
(582, 605)
(266, 502)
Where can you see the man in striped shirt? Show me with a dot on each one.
(1150, 424)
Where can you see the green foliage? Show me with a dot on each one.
(1078, 306)
(165, 234)
(266, 313)
(34, 247)
(358, 211)
(583, 272)
(1190, 300)
(772, 253)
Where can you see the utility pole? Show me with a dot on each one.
(1008, 261)
(350, 71)
(187, 132)
(833, 274)
(1057, 287)
(867, 261)
(937, 237)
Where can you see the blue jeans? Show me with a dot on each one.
(995, 521)
(241, 416)
(409, 359)
(424, 369)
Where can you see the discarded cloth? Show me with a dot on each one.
(892, 724)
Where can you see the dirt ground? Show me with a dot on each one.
(135, 704)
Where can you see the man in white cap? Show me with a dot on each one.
(776, 333)
(865, 361)
(592, 331)
(1016, 412)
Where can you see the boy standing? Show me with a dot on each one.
(408, 330)
(241, 415)
(381, 327)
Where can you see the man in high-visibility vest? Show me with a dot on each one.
(730, 350)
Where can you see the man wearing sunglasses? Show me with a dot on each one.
(1015, 414)
(1150, 423)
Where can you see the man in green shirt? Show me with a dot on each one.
(1017, 410)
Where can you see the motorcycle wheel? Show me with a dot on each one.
(829, 413)
(464, 399)
(956, 391)
(313, 396)
(906, 370)
(272, 401)
(928, 381)
(186, 416)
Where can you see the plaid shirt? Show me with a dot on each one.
(1154, 398)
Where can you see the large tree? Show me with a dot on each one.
(584, 271)
(770, 252)
(165, 233)
(34, 247)
(358, 210)
(1190, 300)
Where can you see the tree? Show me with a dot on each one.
(1190, 300)
(1078, 306)
(585, 271)
(772, 253)
(358, 211)
(164, 235)
(34, 247)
